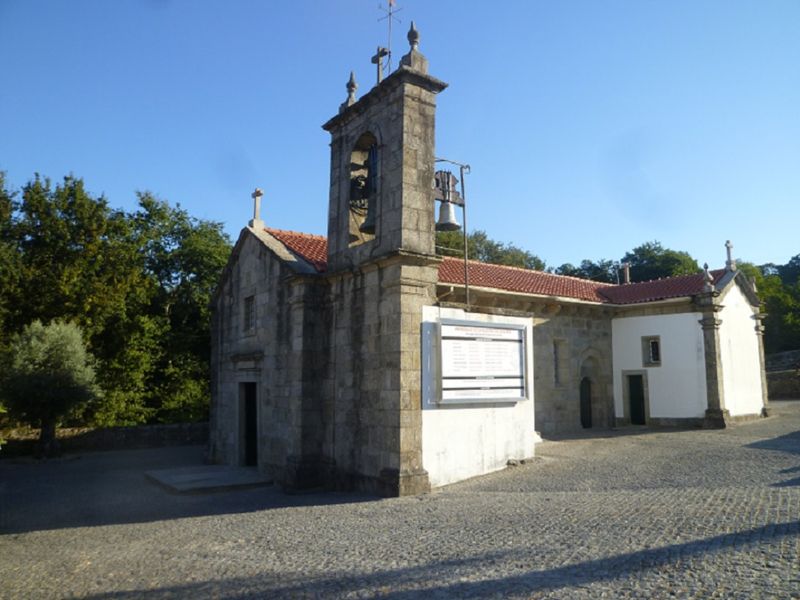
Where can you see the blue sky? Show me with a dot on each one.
(590, 126)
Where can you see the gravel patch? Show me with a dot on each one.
(626, 514)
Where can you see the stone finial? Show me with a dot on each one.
(414, 59)
(708, 279)
(352, 86)
(730, 263)
(626, 272)
(256, 221)
(413, 36)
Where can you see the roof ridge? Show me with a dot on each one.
(670, 277)
(315, 236)
(526, 270)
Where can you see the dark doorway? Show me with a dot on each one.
(586, 403)
(249, 423)
(636, 399)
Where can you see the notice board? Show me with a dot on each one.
(482, 362)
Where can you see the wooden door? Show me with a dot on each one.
(586, 403)
(636, 399)
(250, 424)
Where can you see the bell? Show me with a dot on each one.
(368, 226)
(447, 217)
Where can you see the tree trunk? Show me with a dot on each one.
(48, 444)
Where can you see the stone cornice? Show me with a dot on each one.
(381, 91)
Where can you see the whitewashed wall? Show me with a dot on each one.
(741, 365)
(677, 388)
(462, 441)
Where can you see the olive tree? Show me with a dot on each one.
(47, 376)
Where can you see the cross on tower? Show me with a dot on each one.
(378, 60)
(390, 12)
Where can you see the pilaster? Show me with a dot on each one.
(716, 413)
(759, 317)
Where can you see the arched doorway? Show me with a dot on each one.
(586, 403)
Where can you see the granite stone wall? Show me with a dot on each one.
(582, 340)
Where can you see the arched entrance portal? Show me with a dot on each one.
(586, 403)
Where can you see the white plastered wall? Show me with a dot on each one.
(741, 364)
(463, 441)
(677, 388)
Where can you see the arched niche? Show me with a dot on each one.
(596, 408)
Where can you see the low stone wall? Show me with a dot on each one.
(783, 385)
(783, 361)
(23, 441)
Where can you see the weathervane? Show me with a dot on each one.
(390, 12)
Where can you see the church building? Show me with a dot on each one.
(365, 361)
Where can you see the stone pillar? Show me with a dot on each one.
(306, 467)
(760, 333)
(716, 413)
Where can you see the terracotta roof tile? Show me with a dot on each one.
(658, 289)
(314, 249)
(515, 279)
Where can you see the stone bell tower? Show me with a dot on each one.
(382, 270)
(382, 164)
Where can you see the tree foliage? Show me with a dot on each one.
(779, 290)
(602, 270)
(652, 261)
(485, 249)
(138, 284)
(47, 376)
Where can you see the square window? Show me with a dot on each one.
(651, 351)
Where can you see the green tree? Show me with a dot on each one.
(790, 272)
(184, 257)
(652, 261)
(9, 261)
(138, 284)
(779, 293)
(602, 270)
(485, 249)
(48, 376)
(75, 259)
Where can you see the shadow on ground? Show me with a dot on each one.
(789, 443)
(594, 433)
(107, 488)
(411, 582)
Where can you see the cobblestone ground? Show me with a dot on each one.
(632, 514)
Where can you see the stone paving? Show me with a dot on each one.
(632, 513)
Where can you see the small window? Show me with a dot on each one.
(651, 351)
(249, 321)
(560, 362)
(556, 365)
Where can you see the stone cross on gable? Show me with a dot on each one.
(256, 220)
(730, 263)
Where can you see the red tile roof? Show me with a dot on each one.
(314, 249)
(515, 279)
(658, 289)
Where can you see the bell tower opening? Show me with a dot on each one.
(363, 190)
